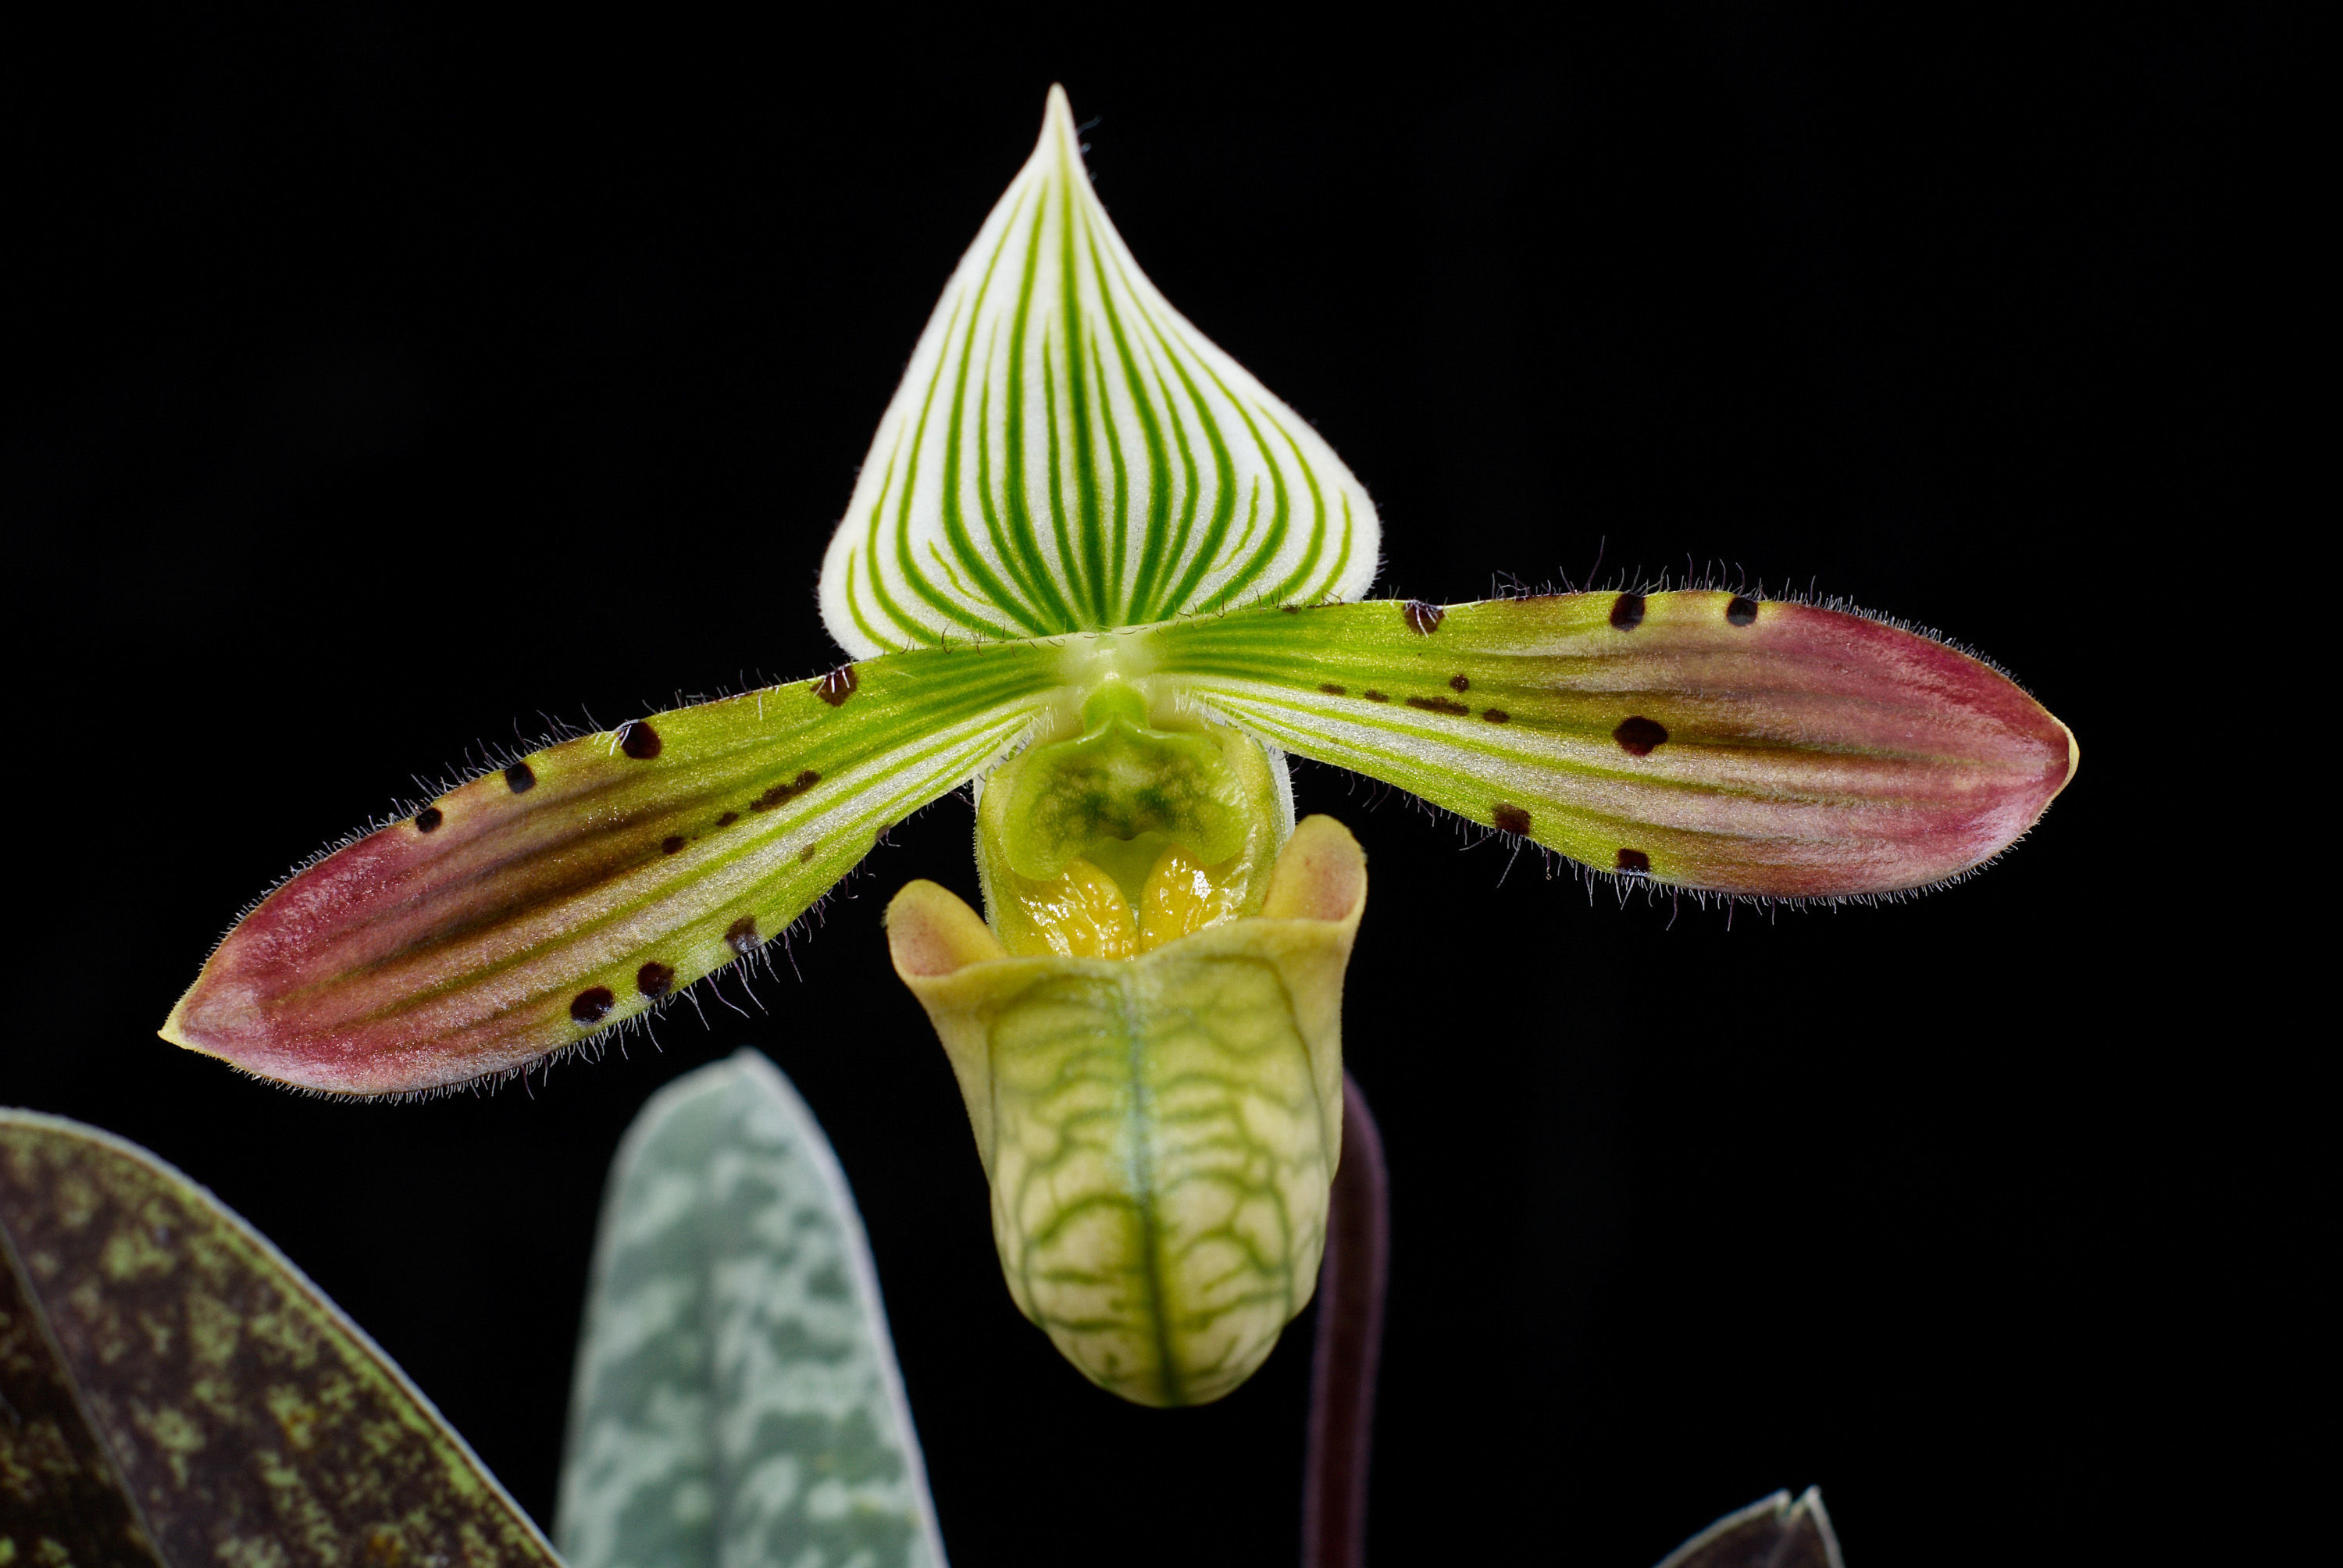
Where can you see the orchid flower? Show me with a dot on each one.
(1096, 571)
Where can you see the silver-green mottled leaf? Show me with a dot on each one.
(738, 1402)
(1066, 452)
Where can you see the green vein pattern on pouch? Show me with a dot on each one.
(1159, 1181)
(1158, 1131)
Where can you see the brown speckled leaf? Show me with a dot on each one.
(249, 1423)
(60, 1499)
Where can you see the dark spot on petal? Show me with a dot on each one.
(520, 779)
(1634, 862)
(671, 844)
(1511, 818)
(788, 791)
(638, 740)
(1374, 697)
(1627, 611)
(726, 819)
(743, 936)
(592, 1006)
(837, 686)
(428, 818)
(1636, 735)
(1460, 682)
(1742, 610)
(1333, 691)
(655, 979)
(1422, 618)
(1437, 705)
(1497, 716)
(806, 854)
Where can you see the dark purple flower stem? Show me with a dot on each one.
(1350, 1346)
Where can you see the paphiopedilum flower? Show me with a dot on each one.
(1095, 568)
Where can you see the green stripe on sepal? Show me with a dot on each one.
(736, 1398)
(1699, 739)
(1067, 453)
(242, 1417)
(1160, 1133)
(533, 908)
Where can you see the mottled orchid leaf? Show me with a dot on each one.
(1158, 1131)
(1067, 452)
(534, 906)
(1774, 1533)
(737, 1400)
(235, 1415)
(1700, 739)
(61, 1499)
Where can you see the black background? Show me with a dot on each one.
(380, 382)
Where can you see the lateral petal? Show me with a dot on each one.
(531, 909)
(1700, 739)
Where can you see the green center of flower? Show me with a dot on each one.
(1134, 833)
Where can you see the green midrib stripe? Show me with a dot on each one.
(1158, 473)
(1293, 579)
(870, 557)
(954, 747)
(1144, 1179)
(1122, 493)
(1009, 560)
(1273, 538)
(935, 598)
(1014, 491)
(1224, 500)
(1283, 722)
(963, 549)
(1086, 497)
(1145, 606)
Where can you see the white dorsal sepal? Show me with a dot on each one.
(1067, 453)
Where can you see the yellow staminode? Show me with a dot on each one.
(1182, 896)
(1080, 913)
